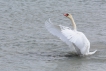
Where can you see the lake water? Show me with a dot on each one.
(25, 44)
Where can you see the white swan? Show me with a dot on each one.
(78, 39)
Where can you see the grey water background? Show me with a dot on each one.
(25, 44)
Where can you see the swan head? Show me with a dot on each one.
(68, 15)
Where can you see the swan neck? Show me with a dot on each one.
(73, 23)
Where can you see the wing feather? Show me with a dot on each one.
(56, 31)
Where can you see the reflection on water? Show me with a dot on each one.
(27, 46)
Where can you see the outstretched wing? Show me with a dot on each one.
(56, 31)
(73, 37)
(79, 41)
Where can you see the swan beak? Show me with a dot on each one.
(66, 14)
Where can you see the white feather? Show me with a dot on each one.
(56, 31)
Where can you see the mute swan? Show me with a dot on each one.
(78, 39)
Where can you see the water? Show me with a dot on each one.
(25, 44)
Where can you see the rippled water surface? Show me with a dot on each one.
(25, 44)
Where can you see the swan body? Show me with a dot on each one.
(69, 36)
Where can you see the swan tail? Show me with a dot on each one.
(91, 53)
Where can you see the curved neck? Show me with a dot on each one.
(73, 23)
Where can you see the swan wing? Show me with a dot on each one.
(86, 45)
(69, 34)
(56, 31)
(74, 38)
(82, 43)
(78, 39)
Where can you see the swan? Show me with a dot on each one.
(69, 36)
